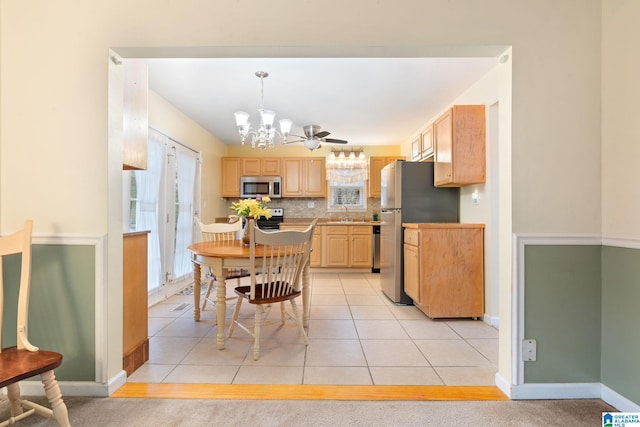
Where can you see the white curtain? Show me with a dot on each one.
(186, 175)
(148, 184)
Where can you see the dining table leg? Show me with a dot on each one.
(196, 291)
(221, 302)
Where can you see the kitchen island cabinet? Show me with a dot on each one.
(444, 268)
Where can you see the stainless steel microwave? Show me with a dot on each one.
(251, 186)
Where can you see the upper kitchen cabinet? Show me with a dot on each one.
(459, 139)
(426, 142)
(376, 163)
(304, 177)
(258, 166)
(135, 120)
(231, 172)
(422, 144)
(416, 148)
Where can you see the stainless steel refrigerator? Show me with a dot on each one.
(408, 195)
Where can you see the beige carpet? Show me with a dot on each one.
(171, 412)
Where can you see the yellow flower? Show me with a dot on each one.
(255, 208)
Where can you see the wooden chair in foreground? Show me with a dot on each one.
(220, 231)
(25, 360)
(275, 276)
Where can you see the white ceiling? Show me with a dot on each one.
(367, 101)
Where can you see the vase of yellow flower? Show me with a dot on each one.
(251, 209)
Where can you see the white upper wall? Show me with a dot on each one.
(620, 119)
(53, 73)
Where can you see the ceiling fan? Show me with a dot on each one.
(314, 135)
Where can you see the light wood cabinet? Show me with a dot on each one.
(259, 166)
(422, 144)
(348, 246)
(135, 332)
(304, 177)
(416, 148)
(231, 172)
(426, 143)
(459, 140)
(315, 258)
(444, 269)
(360, 249)
(376, 163)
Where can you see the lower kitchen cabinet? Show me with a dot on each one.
(348, 245)
(315, 259)
(444, 269)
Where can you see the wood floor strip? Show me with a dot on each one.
(306, 392)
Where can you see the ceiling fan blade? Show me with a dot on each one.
(291, 142)
(335, 141)
(322, 134)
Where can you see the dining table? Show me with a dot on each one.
(221, 256)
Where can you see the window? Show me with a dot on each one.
(347, 174)
(350, 195)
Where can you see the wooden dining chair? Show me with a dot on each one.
(276, 271)
(220, 231)
(25, 360)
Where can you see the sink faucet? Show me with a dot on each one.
(346, 213)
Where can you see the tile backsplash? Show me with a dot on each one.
(299, 208)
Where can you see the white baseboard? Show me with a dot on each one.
(491, 320)
(503, 385)
(556, 391)
(618, 401)
(77, 388)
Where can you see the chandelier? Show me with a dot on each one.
(264, 136)
(347, 166)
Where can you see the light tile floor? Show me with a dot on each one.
(356, 336)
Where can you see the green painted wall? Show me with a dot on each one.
(61, 306)
(621, 321)
(563, 312)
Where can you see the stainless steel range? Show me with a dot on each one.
(273, 223)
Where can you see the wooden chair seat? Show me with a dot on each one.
(261, 298)
(17, 365)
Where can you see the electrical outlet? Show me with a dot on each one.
(311, 205)
(529, 351)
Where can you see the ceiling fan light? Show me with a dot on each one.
(311, 144)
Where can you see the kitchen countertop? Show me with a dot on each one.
(440, 225)
(325, 221)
